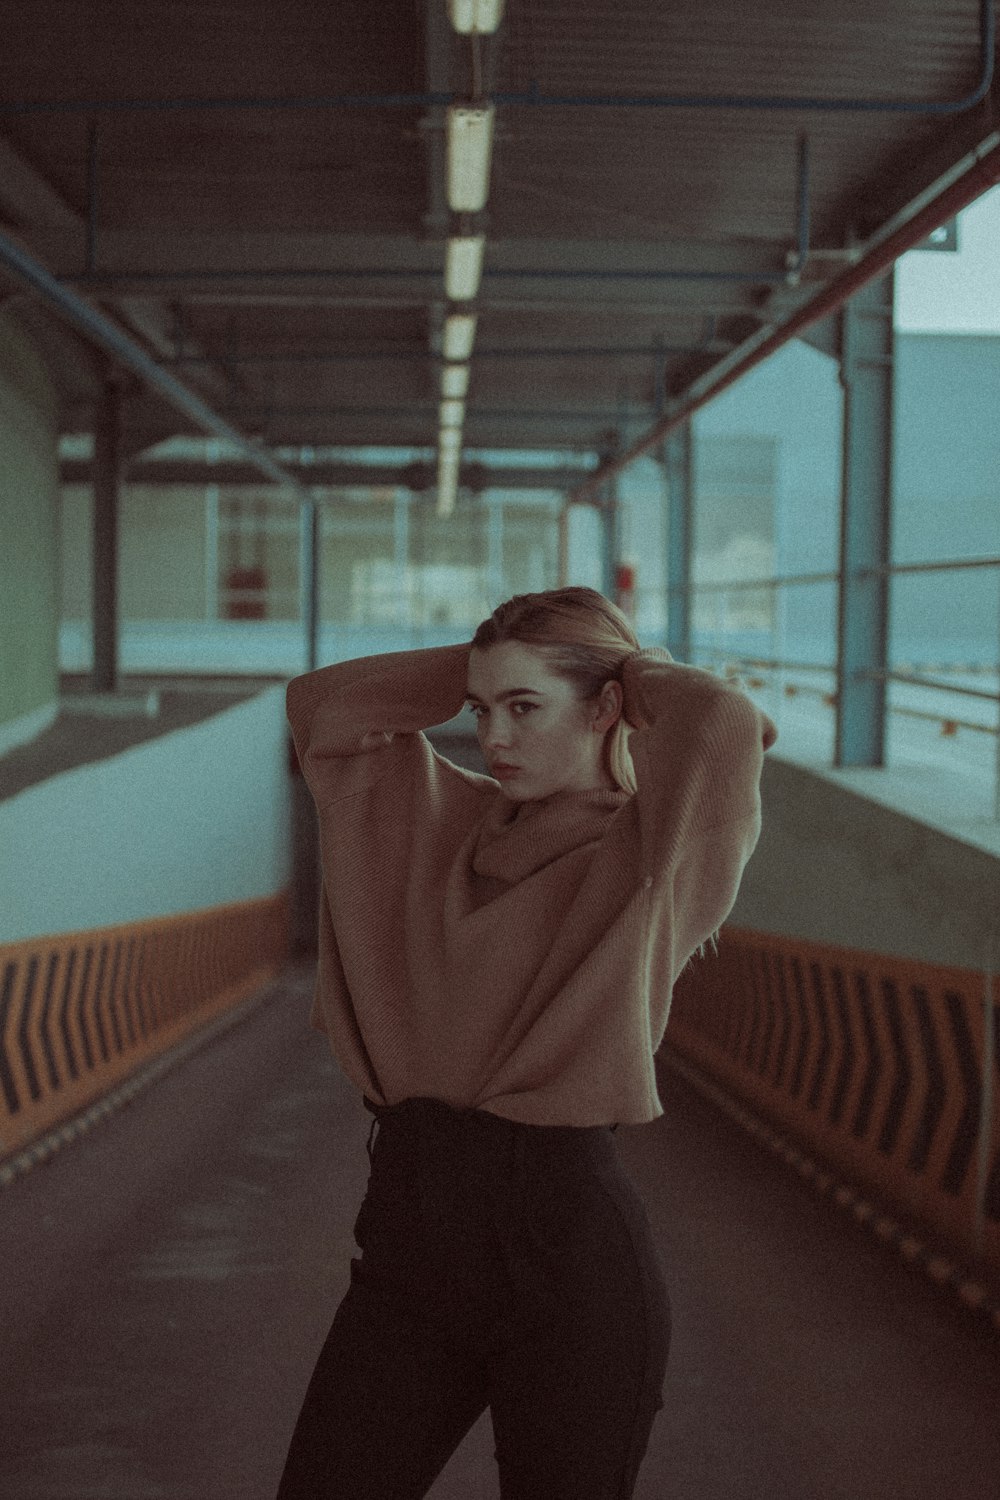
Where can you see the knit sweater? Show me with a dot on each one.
(517, 958)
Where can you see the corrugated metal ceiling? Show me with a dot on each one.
(288, 261)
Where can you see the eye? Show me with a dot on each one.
(480, 708)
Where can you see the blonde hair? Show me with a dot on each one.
(583, 638)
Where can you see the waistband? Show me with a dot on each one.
(429, 1116)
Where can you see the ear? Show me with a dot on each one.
(609, 705)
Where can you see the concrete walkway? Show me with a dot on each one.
(169, 1277)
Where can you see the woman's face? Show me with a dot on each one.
(531, 720)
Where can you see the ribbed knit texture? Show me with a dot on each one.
(517, 958)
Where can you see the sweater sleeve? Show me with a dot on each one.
(346, 719)
(698, 751)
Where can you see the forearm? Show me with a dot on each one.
(698, 747)
(336, 709)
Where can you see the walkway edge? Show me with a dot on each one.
(973, 1296)
(48, 1145)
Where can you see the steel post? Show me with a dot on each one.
(678, 471)
(106, 476)
(309, 574)
(866, 374)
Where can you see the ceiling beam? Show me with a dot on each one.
(979, 173)
(102, 332)
(416, 476)
(34, 208)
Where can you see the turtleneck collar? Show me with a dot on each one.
(517, 838)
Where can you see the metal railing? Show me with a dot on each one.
(949, 722)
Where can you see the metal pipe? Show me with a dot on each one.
(100, 330)
(337, 356)
(982, 174)
(91, 248)
(413, 273)
(534, 97)
(801, 255)
(106, 479)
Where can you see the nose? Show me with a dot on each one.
(497, 736)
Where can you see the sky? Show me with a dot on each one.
(955, 292)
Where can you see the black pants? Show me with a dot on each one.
(505, 1265)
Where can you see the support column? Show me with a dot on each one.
(678, 471)
(309, 576)
(866, 374)
(611, 537)
(563, 575)
(494, 551)
(401, 555)
(106, 476)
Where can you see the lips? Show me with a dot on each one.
(501, 768)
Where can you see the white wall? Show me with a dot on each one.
(197, 818)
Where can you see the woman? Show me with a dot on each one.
(496, 959)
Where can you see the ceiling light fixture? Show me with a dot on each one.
(450, 439)
(470, 146)
(455, 380)
(459, 333)
(463, 268)
(447, 483)
(451, 413)
(468, 16)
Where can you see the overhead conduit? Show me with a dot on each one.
(107, 336)
(979, 172)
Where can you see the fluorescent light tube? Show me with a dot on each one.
(463, 269)
(468, 16)
(447, 484)
(450, 441)
(451, 413)
(459, 332)
(455, 380)
(470, 146)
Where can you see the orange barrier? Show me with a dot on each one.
(887, 1070)
(81, 1011)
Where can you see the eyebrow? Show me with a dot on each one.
(510, 693)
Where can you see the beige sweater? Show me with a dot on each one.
(517, 958)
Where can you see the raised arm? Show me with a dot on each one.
(698, 752)
(358, 706)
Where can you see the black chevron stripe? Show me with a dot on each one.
(805, 1036)
(767, 992)
(845, 1071)
(64, 1006)
(112, 993)
(825, 1049)
(873, 1072)
(102, 1037)
(991, 1205)
(24, 1040)
(967, 1130)
(752, 1034)
(10, 1094)
(781, 1055)
(126, 991)
(48, 1050)
(737, 1025)
(82, 1019)
(934, 1099)
(903, 1073)
(141, 997)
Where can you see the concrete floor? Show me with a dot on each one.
(169, 1277)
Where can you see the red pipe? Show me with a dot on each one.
(980, 177)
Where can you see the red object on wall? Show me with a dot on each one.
(248, 582)
(625, 582)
